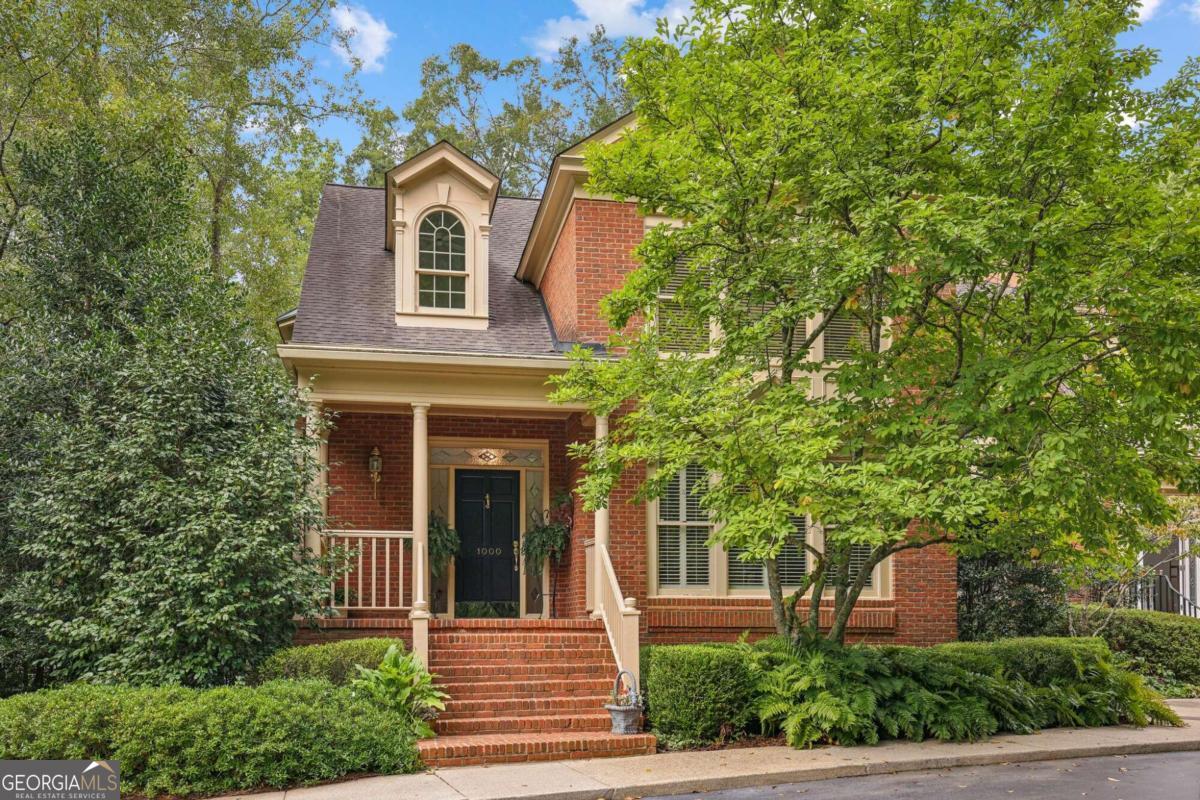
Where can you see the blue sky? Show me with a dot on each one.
(392, 37)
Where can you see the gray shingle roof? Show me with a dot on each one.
(349, 292)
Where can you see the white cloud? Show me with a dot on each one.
(1194, 10)
(367, 37)
(620, 18)
(1148, 9)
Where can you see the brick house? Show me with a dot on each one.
(432, 314)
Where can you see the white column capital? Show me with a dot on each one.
(420, 408)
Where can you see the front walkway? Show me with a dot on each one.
(679, 773)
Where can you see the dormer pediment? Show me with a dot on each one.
(445, 164)
(438, 218)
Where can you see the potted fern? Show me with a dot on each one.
(443, 544)
(547, 537)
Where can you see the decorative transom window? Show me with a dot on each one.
(682, 530)
(442, 261)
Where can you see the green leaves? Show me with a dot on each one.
(402, 685)
(155, 484)
(957, 182)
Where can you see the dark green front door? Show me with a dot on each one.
(487, 516)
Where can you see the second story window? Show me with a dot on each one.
(442, 262)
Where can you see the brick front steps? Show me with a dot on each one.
(523, 690)
(508, 748)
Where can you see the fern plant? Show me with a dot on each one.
(858, 695)
(443, 544)
(547, 537)
(403, 685)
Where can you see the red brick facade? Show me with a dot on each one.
(921, 609)
(590, 260)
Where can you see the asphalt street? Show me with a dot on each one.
(1170, 776)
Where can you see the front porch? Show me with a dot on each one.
(528, 683)
(489, 474)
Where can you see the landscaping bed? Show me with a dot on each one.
(1164, 648)
(700, 694)
(311, 722)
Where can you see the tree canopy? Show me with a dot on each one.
(154, 487)
(948, 255)
(512, 117)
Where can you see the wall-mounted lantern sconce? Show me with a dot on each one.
(375, 467)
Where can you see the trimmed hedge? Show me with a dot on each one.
(1039, 660)
(698, 693)
(334, 662)
(180, 741)
(1164, 642)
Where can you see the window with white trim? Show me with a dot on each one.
(441, 261)
(682, 531)
(844, 335)
(859, 553)
(677, 332)
(792, 562)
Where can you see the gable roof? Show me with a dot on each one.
(567, 174)
(348, 296)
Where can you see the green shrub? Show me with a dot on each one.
(699, 693)
(402, 684)
(182, 741)
(956, 692)
(1166, 643)
(1001, 596)
(336, 662)
(1038, 660)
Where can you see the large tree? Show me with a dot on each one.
(154, 488)
(513, 117)
(236, 78)
(979, 201)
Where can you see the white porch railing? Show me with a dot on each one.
(377, 566)
(620, 614)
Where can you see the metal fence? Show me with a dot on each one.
(1155, 593)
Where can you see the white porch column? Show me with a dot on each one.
(420, 506)
(601, 529)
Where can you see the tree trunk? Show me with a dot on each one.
(847, 594)
(783, 611)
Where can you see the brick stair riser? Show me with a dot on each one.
(460, 673)
(469, 641)
(491, 670)
(516, 625)
(450, 754)
(537, 724)
(522, 654)
(521, 706)
(479, 690)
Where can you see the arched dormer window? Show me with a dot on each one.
(442, 261)
(439, 210)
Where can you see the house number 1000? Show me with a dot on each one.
(489, 551)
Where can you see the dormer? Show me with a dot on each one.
(439, 207)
